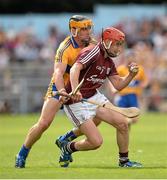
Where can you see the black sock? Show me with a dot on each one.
(123, 157)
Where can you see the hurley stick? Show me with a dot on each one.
(128, 112)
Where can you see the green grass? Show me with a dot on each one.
(148, 145)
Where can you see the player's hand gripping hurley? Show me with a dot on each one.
(68, 96)
(128, 112)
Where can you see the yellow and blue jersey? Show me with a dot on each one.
(128, 97)
(134, 86)
(66, 53)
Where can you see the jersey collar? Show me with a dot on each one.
(74, 43)
(101, 47)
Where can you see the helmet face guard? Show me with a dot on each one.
(114, 36)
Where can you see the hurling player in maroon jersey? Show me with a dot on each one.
(95, 64)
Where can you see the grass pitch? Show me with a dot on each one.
(148, 145)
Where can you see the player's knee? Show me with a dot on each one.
(123, 126)
(43, 125)
(97, 142)
(97, 121)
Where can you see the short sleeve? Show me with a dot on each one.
(61, 56)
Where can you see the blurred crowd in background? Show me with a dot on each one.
(147, 37)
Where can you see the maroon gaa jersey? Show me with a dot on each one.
(96, 69)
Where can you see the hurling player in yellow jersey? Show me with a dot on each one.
(129, 96)
(81, 31)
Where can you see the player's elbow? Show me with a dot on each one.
(73, 70)
(123, 126)
(118, 88)
(58, 73)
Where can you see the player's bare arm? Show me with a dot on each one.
(59, 70)
(74, 79)
(121, 82)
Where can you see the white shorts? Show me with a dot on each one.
(80, 112)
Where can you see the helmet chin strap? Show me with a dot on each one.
(110, 54)
(107, 46)
(84, 42)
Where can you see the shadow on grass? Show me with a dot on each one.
(88, 166)
(109, 167)
(75, 167)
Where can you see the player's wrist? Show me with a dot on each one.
(131, 75)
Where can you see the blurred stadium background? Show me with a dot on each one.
(31, 31)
